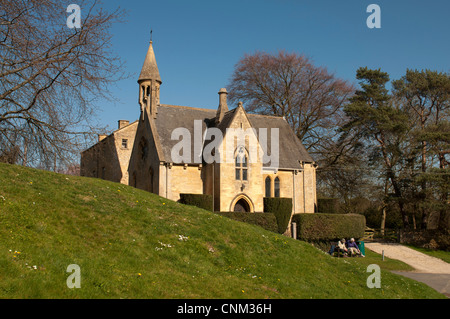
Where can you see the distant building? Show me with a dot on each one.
(140, 153)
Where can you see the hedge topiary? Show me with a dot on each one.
(200, 200)
(316, 227)
(267, 221)
(281, 208)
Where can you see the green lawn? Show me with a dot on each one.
(132, 244)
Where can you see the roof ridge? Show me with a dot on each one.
(187, 107)
(125, 126)
(265, 115)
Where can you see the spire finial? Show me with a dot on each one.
(149, 70)
(151, 35)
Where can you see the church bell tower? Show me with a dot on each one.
(149, 83)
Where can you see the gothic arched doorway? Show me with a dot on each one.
(242, 203)
(242, 206)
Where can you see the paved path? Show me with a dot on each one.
(421, 262)
(430, 270)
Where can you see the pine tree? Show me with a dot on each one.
(372, 114)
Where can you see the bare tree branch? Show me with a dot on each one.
(50, 76)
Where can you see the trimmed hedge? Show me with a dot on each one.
(200, 200)
(328, 205)
(281, 208)
(267, 221)
(316, 227)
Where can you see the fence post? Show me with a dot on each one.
(294, 230)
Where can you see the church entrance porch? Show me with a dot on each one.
(242, 204)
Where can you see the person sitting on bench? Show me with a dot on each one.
(342, 247)
(353, 248)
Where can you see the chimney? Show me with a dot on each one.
(101, 137)
(123, 123)
(223, 99)
(223, 106)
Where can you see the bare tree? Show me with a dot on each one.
(289, 85)
(50, 75)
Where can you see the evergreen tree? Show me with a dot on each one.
(425, 95)
(372, 115)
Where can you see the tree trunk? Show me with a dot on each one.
(424, 211)
(384, 206)
(383, 219)
(443, 212)
(424, 221)
(391, 176)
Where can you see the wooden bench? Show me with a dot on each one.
(334, 248)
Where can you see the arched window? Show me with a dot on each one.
(268, 182)
(277, 187)
(241, 165)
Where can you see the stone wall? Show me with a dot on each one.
(109, 158)
(184, 179)
(230, 188)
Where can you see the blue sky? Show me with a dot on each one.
(197, 43)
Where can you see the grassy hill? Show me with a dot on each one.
(133, 244)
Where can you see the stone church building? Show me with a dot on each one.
(146, 153)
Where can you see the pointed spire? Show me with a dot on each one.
(150, 68)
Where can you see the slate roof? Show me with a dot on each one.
(291, 150)
(170, 117)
